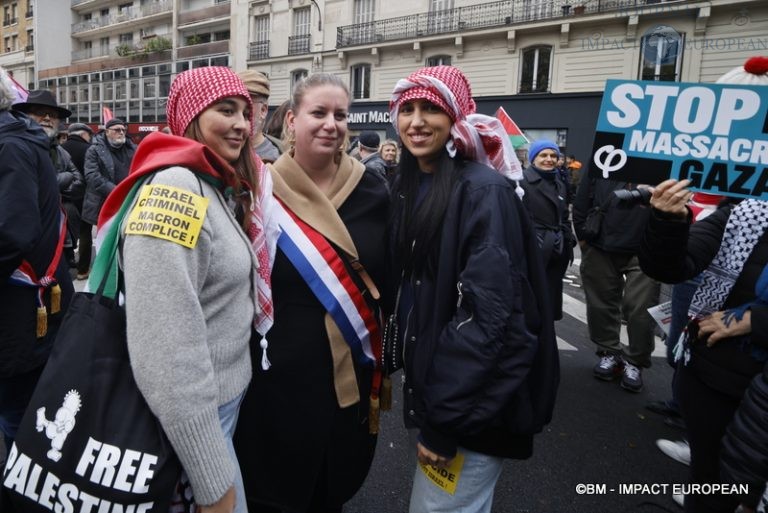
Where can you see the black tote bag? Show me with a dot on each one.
(88, 436)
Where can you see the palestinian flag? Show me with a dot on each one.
(516, 136)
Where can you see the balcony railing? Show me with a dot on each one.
(473, 17)
(29, 48)
(204, 14)
(10, 21)
(126, 15)
(298, 45)
(198, 50)
(29, 13)
(258, 50)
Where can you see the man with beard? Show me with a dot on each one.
(107, 162)
(258, 87)
(41, 106)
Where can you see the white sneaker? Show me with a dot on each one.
(679, 499)
(678, 451)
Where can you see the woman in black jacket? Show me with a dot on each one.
(546, 198)
(726, 342)
(480, 358)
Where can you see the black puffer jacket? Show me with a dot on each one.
(69, 177)
(481, 361)
(624, 221)
(744, 456)
(673, 251)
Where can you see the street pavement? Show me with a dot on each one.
(600, 435)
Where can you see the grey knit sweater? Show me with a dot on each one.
(189, 315)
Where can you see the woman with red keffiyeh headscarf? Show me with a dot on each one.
(475, 325)
(192, 280)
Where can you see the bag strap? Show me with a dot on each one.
(105, 274)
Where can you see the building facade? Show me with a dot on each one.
(18, 40)
(544, 61)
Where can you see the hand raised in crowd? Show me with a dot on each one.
(671, 196)
(427, 457)
(715, 327)
(224, 505)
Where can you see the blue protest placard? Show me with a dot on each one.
(716, 135)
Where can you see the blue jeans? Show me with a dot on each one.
(474, 490)
(15, 393)
(228, 416)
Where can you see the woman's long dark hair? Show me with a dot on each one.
(419, 228)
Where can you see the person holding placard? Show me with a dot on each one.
(725, 344)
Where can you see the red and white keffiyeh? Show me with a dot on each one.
(475, 136)
(195, 90)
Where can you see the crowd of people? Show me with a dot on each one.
(259, 346)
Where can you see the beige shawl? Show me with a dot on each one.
(300, 194)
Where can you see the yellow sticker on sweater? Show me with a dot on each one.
(445, 478)
(168, 213)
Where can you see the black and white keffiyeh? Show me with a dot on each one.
(746, 224)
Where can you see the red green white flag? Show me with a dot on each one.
(516, 136)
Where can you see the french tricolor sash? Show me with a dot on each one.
(26, 276)
(321, 267)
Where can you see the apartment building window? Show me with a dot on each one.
(360, 81)
(109, 91)
(261, 28)
(14, 43)
(440, 18)
(120, 90)
(126, 38)
(534, 76)
(30, 8)
(661, 54)
(362, 16)
(298, 43)
(297, 76)
(7, 44)
(222, 35)
(439, 60)
(363, 11)
(537, 9)
(30, 40)
(259, 47)
(6, 16)
(124, 8)
(14, 13)
(301, 21)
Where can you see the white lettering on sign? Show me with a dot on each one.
(26, 478)
(694, 111)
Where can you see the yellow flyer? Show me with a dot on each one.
(445, 478)
(168, 213)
